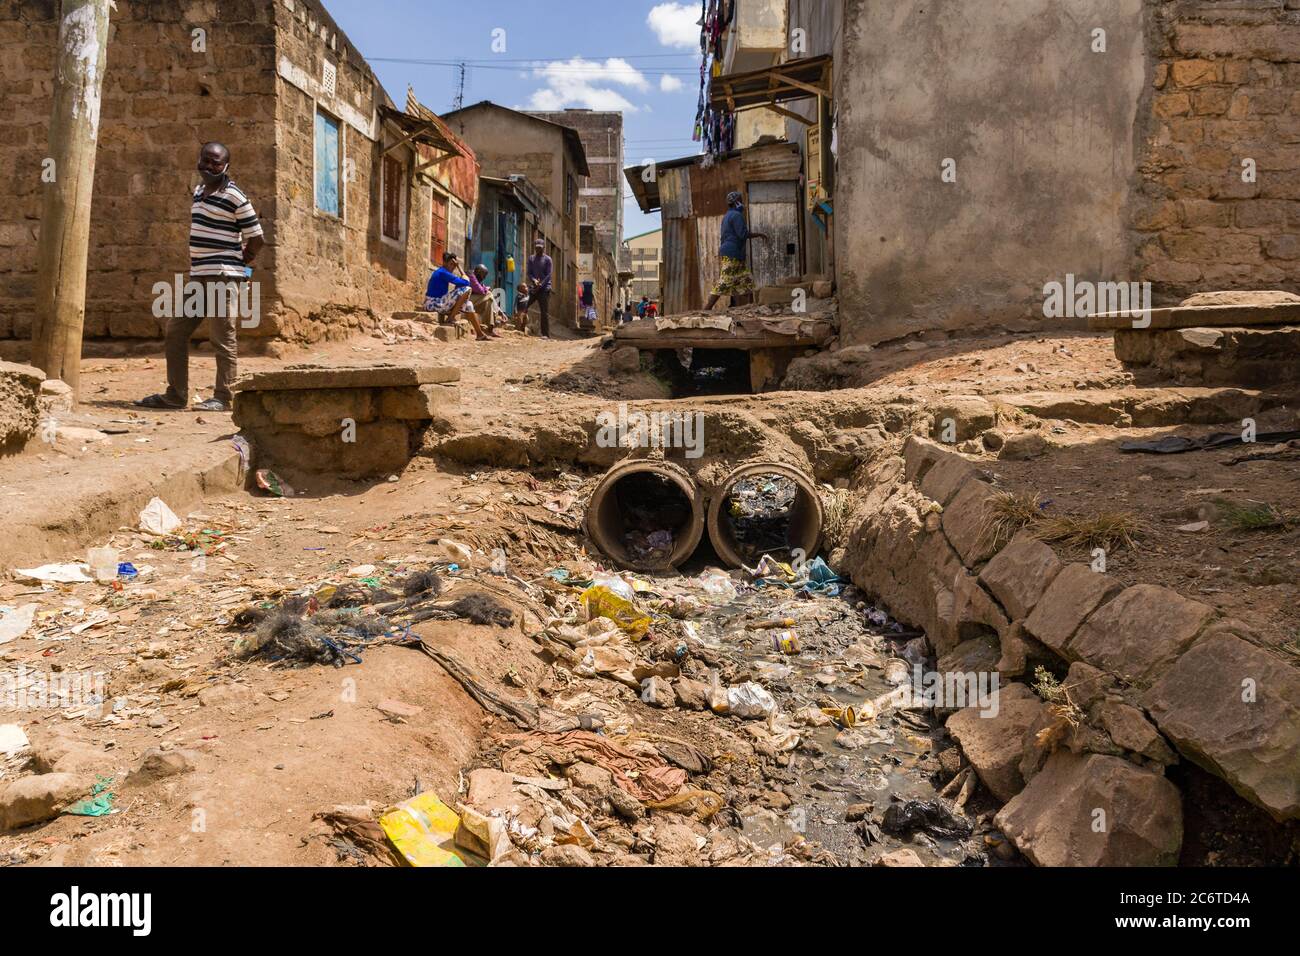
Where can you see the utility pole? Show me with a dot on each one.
(68, 174)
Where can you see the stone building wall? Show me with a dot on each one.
(601, 133)
(328, 269)
(252, 80)
(1114, 165)
(162, 98)
(1225, 90)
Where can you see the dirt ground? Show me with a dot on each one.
(273, 745)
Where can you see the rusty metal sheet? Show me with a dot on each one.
(678, 265)
(708, 235)
(675, 192)
(709, 187)
(778, 161)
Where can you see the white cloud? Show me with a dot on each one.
(587, 83)
(669, 83)
(676, 24)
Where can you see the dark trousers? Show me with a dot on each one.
(543, 299)
(221, 333)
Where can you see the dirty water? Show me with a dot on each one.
(847, 652)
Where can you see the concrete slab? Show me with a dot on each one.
(1217, 316)
(295, 377)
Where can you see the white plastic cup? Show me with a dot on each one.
(103, 564)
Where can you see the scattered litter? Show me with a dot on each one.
(158, 519)
(12, 739)
(55, 574)
(423, 830)
(98, 804)
(268, 480)
(14, 622)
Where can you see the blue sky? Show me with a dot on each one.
(640, 56)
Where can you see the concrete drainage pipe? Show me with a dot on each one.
(797, 525)
(646, 515)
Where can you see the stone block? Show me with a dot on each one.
(1019, 574)
(1095, 810)
(1234, 709)
(968, 523)
(316, 377)
(993, 740)
(416, 404)
(321, 406)
(1141, 632)
(1073, 595)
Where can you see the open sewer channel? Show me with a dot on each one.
(762, 718)
(860, 773)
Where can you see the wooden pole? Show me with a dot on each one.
(68, 174)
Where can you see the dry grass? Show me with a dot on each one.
(1012, 511)
(1252, 515)
(1108, 530)
(837, 511)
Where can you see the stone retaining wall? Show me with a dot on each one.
(1152, 672)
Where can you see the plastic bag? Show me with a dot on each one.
(717, 586)
(599, 601)
(424, 831)
(751, 701)
(158, 519)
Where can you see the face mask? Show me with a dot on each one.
(213, 178)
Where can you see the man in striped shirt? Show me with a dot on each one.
(225, 237)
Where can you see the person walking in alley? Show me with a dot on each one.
(225, 238)
(642, 306)
(541, 275)
(736, 280)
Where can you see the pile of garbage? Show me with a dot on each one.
(653, 511)
(334, 622)
(758, 717)
(760, 510)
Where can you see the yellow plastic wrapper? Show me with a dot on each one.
(424, 831)
(600, 601)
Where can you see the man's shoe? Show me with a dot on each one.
(158, 401)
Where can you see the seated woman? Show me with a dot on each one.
(448, 293)
(482, 299)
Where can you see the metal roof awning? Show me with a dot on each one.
(420, 131)
(773, 85)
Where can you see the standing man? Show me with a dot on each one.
(736, 280)
(541, 274)
(642, 306)
(225, 238)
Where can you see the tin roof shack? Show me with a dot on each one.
(507, 143)
(692, 198)
(309, 128)
(752, 346)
